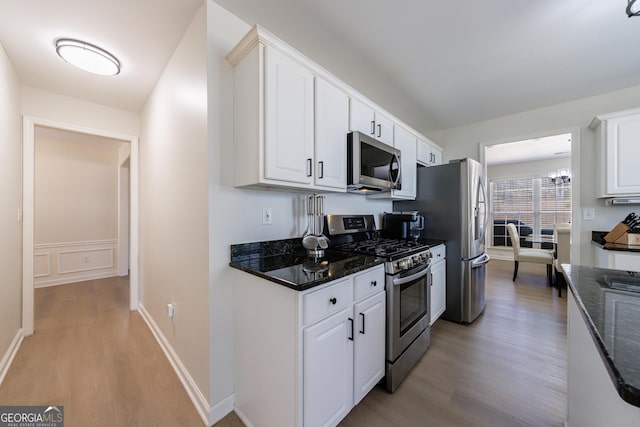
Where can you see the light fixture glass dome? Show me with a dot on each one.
(88, 57)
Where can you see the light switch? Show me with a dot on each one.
(588, 214)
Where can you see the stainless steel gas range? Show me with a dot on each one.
(407, 285)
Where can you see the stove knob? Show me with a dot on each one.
(416, 259)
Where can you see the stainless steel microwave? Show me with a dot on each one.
(372, 166)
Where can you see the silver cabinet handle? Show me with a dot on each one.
(379, 131)
(321, 167)
(373, 127)
(309, 165)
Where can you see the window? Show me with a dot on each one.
(533, 204)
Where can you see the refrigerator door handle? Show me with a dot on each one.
(482, 260)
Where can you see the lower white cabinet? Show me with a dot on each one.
(617, 260)
(306, 358)
(438, 282)
(369, 342)
(328, 370)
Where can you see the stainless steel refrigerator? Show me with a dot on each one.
(452, 199)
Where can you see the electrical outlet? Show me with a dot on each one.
(85, 259)
(171, 312)
(266, 216)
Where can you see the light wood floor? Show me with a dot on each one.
(508, 368)
(98, 359)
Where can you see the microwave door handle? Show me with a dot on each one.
(395, 159)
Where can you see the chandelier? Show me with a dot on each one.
(561, 176)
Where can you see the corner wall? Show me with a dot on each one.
(464, 142)
(174, 211)
(11, 191)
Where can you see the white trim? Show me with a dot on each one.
(80, 243)
(80, 251)
(8, 357)
(244, 418)
(222, 409)
(28, 173)
(190, 386)
(576, 217)
(48, 272)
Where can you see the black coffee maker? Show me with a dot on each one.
(402, 225)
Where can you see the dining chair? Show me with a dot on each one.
(562, 236)
(539, 256)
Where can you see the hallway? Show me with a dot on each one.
(99, 360)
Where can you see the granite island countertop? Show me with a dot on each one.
(609, 301)
(597, 238)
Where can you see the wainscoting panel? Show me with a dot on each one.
(69, 262)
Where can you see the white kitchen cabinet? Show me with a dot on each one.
(305, 358)
(617, 260)
(288, 115)
(370, 122)
(405, 141)
(331, 127)
(368, 368)
(619, 151)
(291, 118)
(438, 282)
(328, 370)
(428, 154)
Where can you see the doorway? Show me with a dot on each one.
(127, 160)
(520, 150)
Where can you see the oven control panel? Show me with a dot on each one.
(408, 262)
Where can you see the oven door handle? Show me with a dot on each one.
(419, 274)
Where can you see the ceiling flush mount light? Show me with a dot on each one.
(88, 57)
(633, 9)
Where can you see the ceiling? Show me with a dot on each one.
(548, 147)
(452, 62)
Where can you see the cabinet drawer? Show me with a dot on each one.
(368, 283)
(319, 304)
(438, 253)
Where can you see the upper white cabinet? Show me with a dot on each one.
(288, 119)
(405, 141)
(331, 126)
(428, 154)
(370, 122)
(619, 151)
(291, 120)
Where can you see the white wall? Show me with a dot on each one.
(174, 239)
(11, 191)
(464, 142)
(75, 191)
(236, 214)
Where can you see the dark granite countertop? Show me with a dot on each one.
(610, 304)
(286, 262)
(597, 238)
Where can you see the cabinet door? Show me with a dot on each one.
(384, 129)
(436, 156)
(406, 143)
(423, 152)
(438, 289)
(288, 126)
(369, 350)
(361, 118)
(328, 370)
(332, 126)
(623, 152)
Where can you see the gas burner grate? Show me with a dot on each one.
(381, 247)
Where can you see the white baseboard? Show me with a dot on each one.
(244, 418)
(208, 414)
(5, 363)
